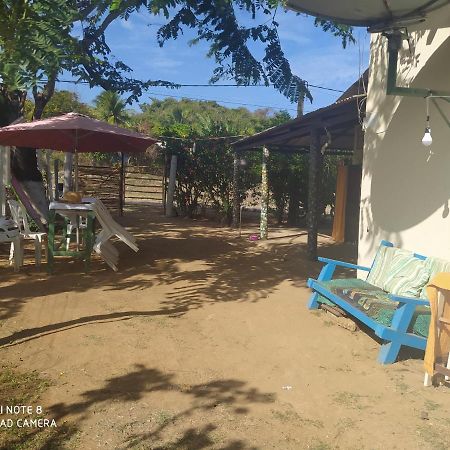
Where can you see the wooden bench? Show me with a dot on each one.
(393, 318)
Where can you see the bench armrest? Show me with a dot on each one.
(409, 300)
(344, 264)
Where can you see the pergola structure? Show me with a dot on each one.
(335, 129)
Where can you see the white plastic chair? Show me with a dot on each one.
(76, 223)
(110, 228)
(9, 232)
(20, 217)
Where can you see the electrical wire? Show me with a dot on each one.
(314, 86)
(218, 100)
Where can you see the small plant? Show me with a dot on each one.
(349, 399)
(163, 417)
(25, 388)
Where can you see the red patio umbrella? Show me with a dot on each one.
(74, 133)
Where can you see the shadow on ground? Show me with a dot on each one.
(227, 268)
(171, 432)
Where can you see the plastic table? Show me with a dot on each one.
(72, 212)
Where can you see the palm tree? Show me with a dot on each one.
(111, 108)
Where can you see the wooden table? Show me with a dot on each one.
(72, 212)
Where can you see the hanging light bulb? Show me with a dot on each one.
(427, 140)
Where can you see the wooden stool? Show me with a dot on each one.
(437, 354)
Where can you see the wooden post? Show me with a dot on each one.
(171, 187)
(236, 202)
(164, 184)
(314, 192)
(68, 165)
(301, 105)
(48, 173)
(263, 228)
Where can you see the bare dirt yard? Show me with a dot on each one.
(202, 340)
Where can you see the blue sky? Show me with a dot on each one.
(314, 55)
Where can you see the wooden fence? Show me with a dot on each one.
(140, 184)
(143, 185)
(101, 182)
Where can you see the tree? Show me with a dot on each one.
(231, 44)
(111, 108)
(33, 37)
(63, 102)
(329, 178)
(37, 42)
(205, 169)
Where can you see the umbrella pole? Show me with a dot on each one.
(122, 183)
(76, 160)
(76, 171)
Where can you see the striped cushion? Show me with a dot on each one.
(398, 272)
(409, 275)
(434, 266)
(381, 267)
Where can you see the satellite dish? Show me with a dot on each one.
(375, 14)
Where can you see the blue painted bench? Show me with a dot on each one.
(396, 319)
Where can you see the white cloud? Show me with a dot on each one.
(293, 36)
(164, 63)
(329, 67)
(127, 24)
(318, 56)
(295, 29)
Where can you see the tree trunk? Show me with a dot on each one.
(171, 188)
(314, 191)
(264, 195)
(12, 105)
(281, 206)
(11, 108)
(5, 177)
(24, 161)
(42, 98)
(294, 205)
(24, 165)
(236, 194)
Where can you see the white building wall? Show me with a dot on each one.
(405, 192)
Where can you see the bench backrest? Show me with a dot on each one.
(432, 264)
(398, 271)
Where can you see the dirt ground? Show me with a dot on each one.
(203, 340)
